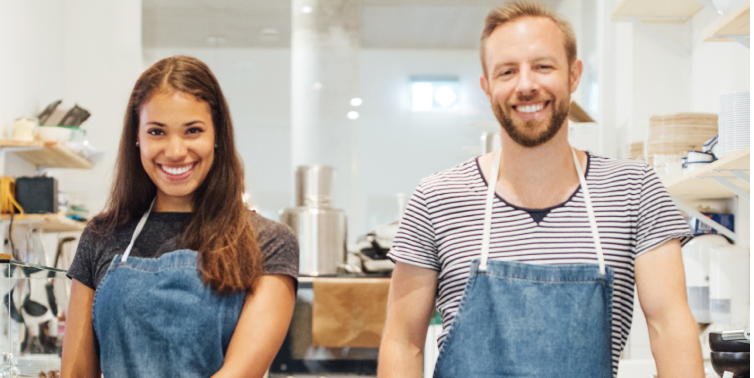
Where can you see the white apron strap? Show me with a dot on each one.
(139, 227)
(590, 212)
(488, 212)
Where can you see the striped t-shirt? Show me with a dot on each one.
(442, 230)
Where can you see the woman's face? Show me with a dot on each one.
(177, 147)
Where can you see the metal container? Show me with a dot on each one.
(320, 229)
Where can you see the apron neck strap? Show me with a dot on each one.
(488, 212)
(139, 227)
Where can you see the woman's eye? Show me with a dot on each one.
(155, 132)
(194, 130)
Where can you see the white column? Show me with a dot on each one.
(324, 78)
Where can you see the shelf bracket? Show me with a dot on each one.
(669, 43)
(740, 174)
(704, 219)
(741, 39)
(740, 192)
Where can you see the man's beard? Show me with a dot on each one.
(559, 116)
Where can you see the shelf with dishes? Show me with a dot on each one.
(734, 27)
(727, 177)
(47, 154)
(46, 222)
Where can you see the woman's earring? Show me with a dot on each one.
(215, 145)
(137, 143)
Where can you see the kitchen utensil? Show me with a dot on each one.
(734, 362)
(718, 344)
(320, 229)
(53, 133)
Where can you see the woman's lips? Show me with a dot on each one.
(177, 173)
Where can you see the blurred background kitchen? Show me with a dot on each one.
(385, 92)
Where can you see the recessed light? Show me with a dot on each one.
(306, 9)
(317, 86)
(353, 115)
(356, 101)
(269, 31)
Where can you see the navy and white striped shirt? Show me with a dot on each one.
(442, 230)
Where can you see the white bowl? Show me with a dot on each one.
(53, 133)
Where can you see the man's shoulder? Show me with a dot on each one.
(609, 168)
(459, 174)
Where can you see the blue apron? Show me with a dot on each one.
(153, 317)
(526, 320)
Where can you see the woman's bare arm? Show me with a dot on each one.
(79, 356)
(261, 328)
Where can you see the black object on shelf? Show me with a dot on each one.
(37, 195)
(717, 344)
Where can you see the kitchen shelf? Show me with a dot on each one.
(669, 11)
(47, 154)
(701, 182)
(47, 222)
(734, 25)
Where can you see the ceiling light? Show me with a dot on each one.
(306, 9)
(317, 86)
(355, 101)
(352, 114)
(269, 31)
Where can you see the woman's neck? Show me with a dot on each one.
(164, 203)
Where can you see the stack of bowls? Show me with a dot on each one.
(729, 355)
(734, 123)
(675, 134)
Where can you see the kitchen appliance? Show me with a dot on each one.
(320, 228)
(730, 353)
(37, 195)
(729, 285)
(696, 262)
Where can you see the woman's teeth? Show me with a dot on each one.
(530, 108)
(177, 171)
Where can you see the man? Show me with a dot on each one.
(548, 291)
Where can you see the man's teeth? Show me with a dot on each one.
(530, 108)
(177, 171)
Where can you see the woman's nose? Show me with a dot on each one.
(176, 147)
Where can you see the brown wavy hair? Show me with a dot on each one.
(220, 229)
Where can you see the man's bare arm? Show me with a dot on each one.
(411, 304)
(673, 333)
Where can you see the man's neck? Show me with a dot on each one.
(536, 177)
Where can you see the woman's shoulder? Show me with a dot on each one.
(267, 231)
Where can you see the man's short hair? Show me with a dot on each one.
(515, 10)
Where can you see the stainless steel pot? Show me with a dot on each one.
(320, 229)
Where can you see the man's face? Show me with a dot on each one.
(529, 81)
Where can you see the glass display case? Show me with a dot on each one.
(35, 298)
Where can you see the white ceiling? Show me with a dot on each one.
(402, 24)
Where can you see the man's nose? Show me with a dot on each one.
(527, 85)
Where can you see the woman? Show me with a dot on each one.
(177, 277)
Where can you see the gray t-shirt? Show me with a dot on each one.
(277, 242)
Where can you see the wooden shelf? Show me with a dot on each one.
(48, 154)
(734, 24)
(47, 222)
(670, 11)
(699, 183)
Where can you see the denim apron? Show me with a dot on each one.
(526, 320)
(153, 317)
